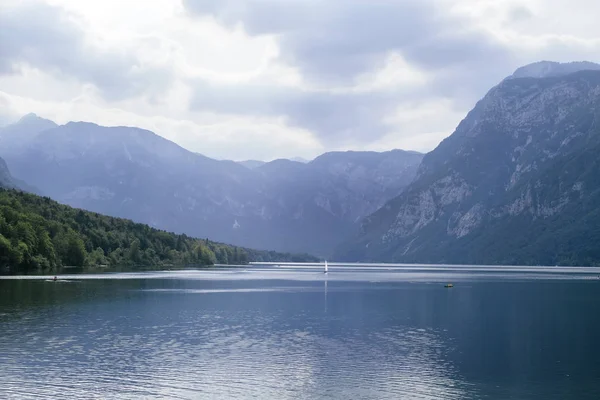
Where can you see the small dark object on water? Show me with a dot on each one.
(55, 278)
(448, 285)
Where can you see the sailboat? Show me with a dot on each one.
(325, 266)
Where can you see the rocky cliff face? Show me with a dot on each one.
(517, 182)
(133, 173)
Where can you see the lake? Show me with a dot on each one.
(279, 333)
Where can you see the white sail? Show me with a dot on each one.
(325, 266)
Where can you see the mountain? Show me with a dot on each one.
(251, 164)
(326, 198)
(6, 179)
(37, 233)
(546, 69)
(348, 184)
(133, 173)
(518, 182)
(17, 136)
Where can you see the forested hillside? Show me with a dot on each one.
(37, 233)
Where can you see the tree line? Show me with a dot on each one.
(39, 234)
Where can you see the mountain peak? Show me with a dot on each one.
(545, 69)
(19, 134)
(507, 187)
(33, 122)
(29, 117)
(33, 118)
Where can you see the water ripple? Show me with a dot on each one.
(156, 339)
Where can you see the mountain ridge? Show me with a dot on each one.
(133, 173)
(493, 190)
(546, 69)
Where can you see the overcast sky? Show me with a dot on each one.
(263, 79)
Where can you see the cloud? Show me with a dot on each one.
(231, 137)
(48, 38)
(520, 13)
(273, 78)
(7, 116)
(334, 43)
(336, 40)
(331, 115)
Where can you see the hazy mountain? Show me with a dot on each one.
(133, 173)
(16, 137)
(299, 159)
(518, 182)
(326, 198)
(251, 164)
(6, 179)
(348, 185)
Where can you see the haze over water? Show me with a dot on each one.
(277, 333)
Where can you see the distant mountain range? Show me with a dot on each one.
(518, 182)
(133, 173)
(252, 164)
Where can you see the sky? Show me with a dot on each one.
(265, 79)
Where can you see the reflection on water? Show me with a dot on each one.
(299, 334)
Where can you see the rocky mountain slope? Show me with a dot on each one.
(518, 182)
(6, 179)
(133, 173)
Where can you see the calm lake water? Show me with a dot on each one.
(278, 333)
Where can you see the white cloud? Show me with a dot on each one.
(424, 125)
(237, 85)
(209, 133)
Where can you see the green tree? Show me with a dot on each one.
(23, 231)
(38, 233)
(45, 247)
(222, 256)
(9, 256)
(96, 257)
(41, 263)
(70, 248)
(207, 256)
(3, 225)
(134, 251)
